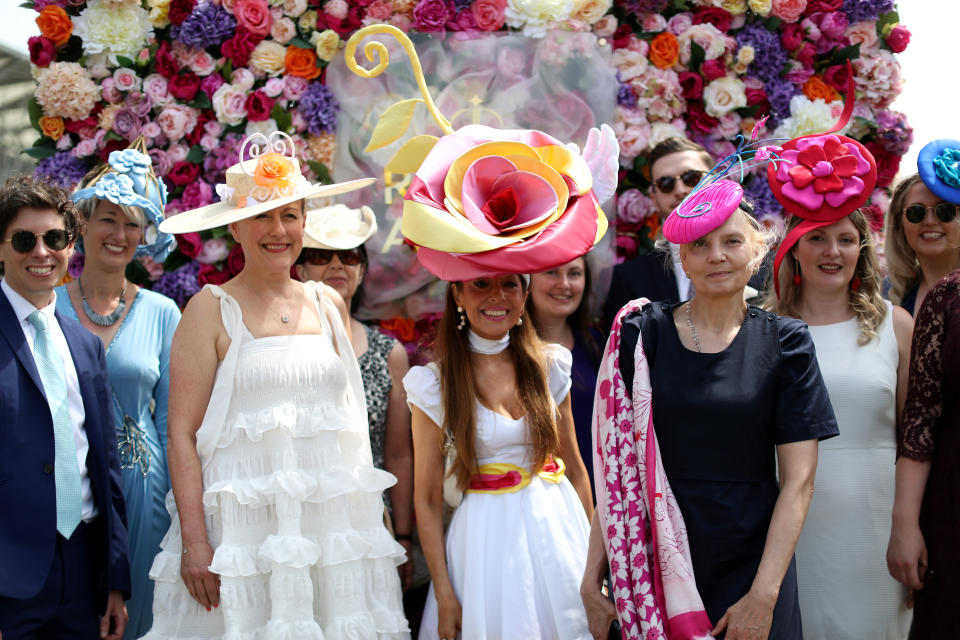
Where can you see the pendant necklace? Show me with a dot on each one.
(693, 328)
(103, 320)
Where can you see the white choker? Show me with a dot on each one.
(485, 346)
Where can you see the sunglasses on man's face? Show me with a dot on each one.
(25, 241)
(666, 184)
(319, 257)
(945, 212)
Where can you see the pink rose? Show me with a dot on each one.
(489, 14)
(294, 8)
(653, 23)
(273, 87)
(633, 207)
(209, 142)
(836, 76)
(254, 16)
(199, 194)
(833, 24)
(605, 26)
(511, 62)
(680, 23)
(242, 78)
(153, 268)
(150, 130)
(862, 33)
(155, 86)
(126, 79)
(898, 38)
(215, 249)
(432, 15)
(379, 11)
(713, 69)
(626, 247)
(788, 10)
(401, 21)
(293, 87)
(211, 83)
(464, 22)
(85, 148)
(791, 37)
(336, 8)
(108, 89)
(202, 64)
(283, 30)
(633, 142)
(806, 54)
(176, 120)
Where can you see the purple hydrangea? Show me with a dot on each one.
(319, 108)
(895, 134)
(179, 285)
(222, 157)
(206, 26)
(770, 56)
(865, 10)
(779, 92)
(626, 96)
(640, 7)
(757, 192)
(63, 169)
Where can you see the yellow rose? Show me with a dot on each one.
(268, 56)
(736, 7)
(746, 54)
(52, 127)
(105, 119)
(158, 13)
(760, 7)
(326, 43)
(590, 11)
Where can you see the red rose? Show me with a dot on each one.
(183, 173)
(184, 86)
(713, 69)
(211, 83)
(792, 36)
(806, 54)
(198, 131)
(698, 119)
(463, 21)
(343, 26)
(720, 18)
(75, 126)
(874, 217)
(258, 106)
(254, 16)
(824, 6)
(488, 14)
(189, 244)
(209, 274)
(235, 260)
(621, 37)
(691, 85)
(758, 97)
(837, 76)
(42, 50)
(898, 38)
(180, 10)
(888, 164)
(164, 63)
(110, 147)
(432, 15)
(239, 47)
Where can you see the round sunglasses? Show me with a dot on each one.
(945, 212)
(319, 257)
(25, 241)
(691, 178)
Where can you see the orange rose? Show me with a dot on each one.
(301, 63)
(402, 328)
(815, 88)
(664, 50)
(273, 170)
(55, 24)
(51, 127)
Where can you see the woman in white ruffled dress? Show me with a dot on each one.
(277, 521)
(516, 546)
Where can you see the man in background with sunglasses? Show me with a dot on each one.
(676, 166)
(64, 571)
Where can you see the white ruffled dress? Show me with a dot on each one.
(515, 560)
(292, 502)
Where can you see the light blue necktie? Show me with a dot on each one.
(66, 468)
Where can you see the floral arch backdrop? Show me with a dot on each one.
(195, 76)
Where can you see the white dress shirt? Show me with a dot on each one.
(23, 308)
(683, 282)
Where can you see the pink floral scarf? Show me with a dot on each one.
(652, 575)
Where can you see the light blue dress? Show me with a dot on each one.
(138, 363)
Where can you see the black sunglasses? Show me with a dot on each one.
(25, 241)
(691, 178)
(945, 211)
(318, 257)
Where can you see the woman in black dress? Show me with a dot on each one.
(736, 397)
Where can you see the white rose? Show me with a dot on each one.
(228, 104)
(723, 95)
(629, 63)
(242, 78)
(269, 57)
(806, 117)
(660, 131)
(707, 36)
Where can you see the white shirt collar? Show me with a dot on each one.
(23, 307)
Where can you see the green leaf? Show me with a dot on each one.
(26, 5)
(697, 55)
(320, 170)
(748, 112)
(219, 232)
(392, 124)
(283, 117)
(411, 155)
(846, 53)
(174, 261)
(886, 19)
(300, 42)
(124, 61)
(201, 101)
(196, 154)
(226, 70)
(773, 23)
(35, 111)
(39, 153)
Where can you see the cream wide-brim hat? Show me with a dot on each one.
(241, 188)
(339, 227)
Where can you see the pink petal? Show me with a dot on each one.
(535, 198)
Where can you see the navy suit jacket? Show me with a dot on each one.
(28, 524)
(648, 276)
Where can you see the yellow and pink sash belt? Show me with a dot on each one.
(503, 477)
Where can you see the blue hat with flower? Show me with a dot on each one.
(939, 167)
(128, 179)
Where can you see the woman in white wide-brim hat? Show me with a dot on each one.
(277, 526)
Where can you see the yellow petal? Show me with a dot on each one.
(602, 224)
(411, 155)
(569, 164)
(437, 229)
(392, 124)
(453, 183)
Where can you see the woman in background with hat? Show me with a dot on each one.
(334, 254)
(923, 551)
(826, 273)
(122, 204)
(923, 230)
(277, 526)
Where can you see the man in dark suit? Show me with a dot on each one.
(64, 568)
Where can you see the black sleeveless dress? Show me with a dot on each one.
(718, 419)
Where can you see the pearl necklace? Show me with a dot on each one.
(103, 320)
(486, 346)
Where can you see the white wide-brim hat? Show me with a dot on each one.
(339, 227)
(270, 179)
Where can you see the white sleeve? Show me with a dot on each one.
(423, 391)
(559, 363)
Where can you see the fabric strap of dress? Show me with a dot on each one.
(636, 507)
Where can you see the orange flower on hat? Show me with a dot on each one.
(664, 50)
(274, 171)
(55, 24)
(815, 88)
(301, 63)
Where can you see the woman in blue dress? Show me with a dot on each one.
(122, 203)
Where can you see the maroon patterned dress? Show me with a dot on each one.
(931, 433)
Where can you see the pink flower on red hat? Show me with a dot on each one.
(822, 168)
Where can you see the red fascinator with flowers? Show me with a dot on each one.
(486, 201)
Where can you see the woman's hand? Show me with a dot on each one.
(748, 619)
(907, 556)
(600, 612)
(202, 584)
(448, 616)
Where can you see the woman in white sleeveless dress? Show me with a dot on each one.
(277, 522)
(515, 550)
(831, 280)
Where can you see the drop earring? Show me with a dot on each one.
(463, 318)
(519, 321)
(796, 276)
(855, 284)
